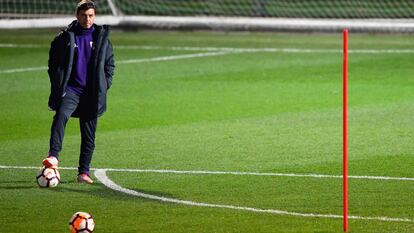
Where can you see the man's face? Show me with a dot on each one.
(86, 18)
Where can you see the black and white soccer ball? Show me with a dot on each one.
(81, 222)
(48, 177)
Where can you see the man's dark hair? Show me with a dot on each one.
(85, 5)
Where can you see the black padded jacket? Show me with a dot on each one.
(62, 57)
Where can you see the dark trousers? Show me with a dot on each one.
(69, 104)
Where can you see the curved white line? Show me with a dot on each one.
(100, 174)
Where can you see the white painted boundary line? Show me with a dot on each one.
(318, 176)
(261, 174)
(103, 178)
(212, 51)
(100, 173)
(131, 61)
(176, 57)
(3, 45)
(19, 70)
(231, 49)
(271, 50)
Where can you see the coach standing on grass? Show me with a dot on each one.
(81, 66)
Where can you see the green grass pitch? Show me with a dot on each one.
(244, 111)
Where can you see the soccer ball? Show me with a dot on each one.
(81, 222)
(48, 177)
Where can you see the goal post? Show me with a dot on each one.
(282, 15)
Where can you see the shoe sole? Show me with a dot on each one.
(80, 181)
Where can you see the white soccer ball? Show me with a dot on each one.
(48, 177)
(81, 222)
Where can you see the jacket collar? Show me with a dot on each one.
(72, 26)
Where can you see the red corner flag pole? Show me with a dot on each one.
(345, 130)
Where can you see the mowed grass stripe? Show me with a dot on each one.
(308, 139)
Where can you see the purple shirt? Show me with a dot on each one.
(83, 50)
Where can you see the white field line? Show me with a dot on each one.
(175, 57)
(213, 51)
(19, 70)
(100, 174)
(131, 61)
(231, 49)
(318, 176)
(271, 50)
(3, 45)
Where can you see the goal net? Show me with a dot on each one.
(311, 15)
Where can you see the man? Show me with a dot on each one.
(81, 67)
